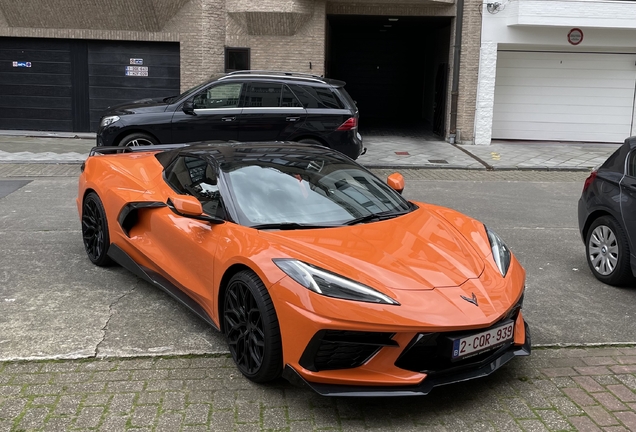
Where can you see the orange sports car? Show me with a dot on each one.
(311, 266)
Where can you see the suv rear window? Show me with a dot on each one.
(316, 97)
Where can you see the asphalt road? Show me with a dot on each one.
(55, 304)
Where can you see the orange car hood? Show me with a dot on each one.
(417, 251)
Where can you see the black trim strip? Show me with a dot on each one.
(154, 278)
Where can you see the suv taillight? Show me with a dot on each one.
(351, 123)
(589, 180)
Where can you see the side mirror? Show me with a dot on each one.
(189, 206)
(396, 182)
(188, 108)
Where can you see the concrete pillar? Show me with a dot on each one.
(485, 93)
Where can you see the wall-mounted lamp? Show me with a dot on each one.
(495, 7)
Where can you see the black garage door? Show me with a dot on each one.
(35, 84)
(64, 85)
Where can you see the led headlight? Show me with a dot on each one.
(500, 252)
(330, 284)
(108, 120)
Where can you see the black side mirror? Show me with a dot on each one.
(188, 108)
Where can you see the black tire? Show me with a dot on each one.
(251, 328)
(137, 139)
(607, 252)
(311, 141)
(95, 231)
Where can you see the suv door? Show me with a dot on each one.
(214, 116)
(270, 112)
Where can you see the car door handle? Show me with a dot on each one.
(228, 119)
(292, 119)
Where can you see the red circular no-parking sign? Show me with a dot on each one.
(575, 36)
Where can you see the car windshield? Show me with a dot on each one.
(282, 190)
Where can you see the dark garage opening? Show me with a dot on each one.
(396, 69)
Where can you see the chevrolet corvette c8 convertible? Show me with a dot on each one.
(311, 266)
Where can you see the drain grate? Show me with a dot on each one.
(438, 161)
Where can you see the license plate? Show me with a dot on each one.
(484, 341)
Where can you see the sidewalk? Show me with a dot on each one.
(559, 389)
(383, 151)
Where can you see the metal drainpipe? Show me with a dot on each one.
(456, 54)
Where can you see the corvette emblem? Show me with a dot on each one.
(472, 299)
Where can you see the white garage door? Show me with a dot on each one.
(564, 96)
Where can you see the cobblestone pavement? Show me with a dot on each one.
(555, 389)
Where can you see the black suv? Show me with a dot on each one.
(241, 106)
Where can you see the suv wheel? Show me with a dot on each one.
(137, 139)
(311, 141)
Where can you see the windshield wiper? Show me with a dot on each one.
(375, 217)
(290, 226)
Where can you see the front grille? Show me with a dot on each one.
(431, 352)
(341, 349)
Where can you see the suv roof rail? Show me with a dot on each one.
(281, 74)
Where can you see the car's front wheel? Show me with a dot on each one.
(251, 328)
(95, 230)
(137, 139)
(607, 251)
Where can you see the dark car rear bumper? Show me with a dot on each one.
(476, 370)
(349, 143)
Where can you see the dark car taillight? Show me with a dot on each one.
(589, 180)
(351, 123)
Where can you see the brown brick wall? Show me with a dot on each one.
(469, 69)
(290, 53)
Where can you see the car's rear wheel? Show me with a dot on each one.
(311, 141)
(137, 139)
(251, 328)
(95, 230)
(607, 252)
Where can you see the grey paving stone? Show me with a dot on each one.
(89, 417)
(144, 415)
(33, 419)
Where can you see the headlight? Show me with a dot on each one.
(108, 120)
(500, 252)
(330, 284)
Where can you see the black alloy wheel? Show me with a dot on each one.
(95, 230)
(607, 251)
(251, 328)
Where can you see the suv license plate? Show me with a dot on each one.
(476, 343)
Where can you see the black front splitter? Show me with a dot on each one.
(431, 381)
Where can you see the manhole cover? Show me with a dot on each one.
(438, 161)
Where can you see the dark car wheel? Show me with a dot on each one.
(137, 139)
(95, 230)
(251, 328)
(311, 141)
(607, 252)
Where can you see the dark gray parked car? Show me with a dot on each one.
(607, 217)
(243, 106)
